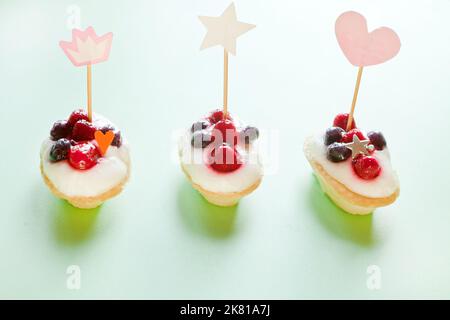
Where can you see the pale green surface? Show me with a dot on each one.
(160, 239)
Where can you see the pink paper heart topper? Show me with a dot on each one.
(361, 47)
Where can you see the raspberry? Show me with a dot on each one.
(78, 115)
(83, 131)
(341, 121)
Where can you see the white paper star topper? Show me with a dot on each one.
(359, 146)
(224, 30)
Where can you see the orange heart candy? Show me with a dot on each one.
(104, 140)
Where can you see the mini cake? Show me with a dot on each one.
(73, 166)
(220, 157)
(353, 167)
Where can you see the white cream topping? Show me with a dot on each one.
(382, 186)
(110, 170)
(193, 161)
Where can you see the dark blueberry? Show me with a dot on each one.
(117, 141)
(60, 129)
(333, 134)
(60, 150)
(106, 128)
(200, 125)
(338, 152)
(249, 134)
(201, 139)
(377, 139)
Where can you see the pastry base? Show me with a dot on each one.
(86, 202)
(343, 197)
(221, 199)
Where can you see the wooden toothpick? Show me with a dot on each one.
(355, 97)
(89, 91)
(225, 83)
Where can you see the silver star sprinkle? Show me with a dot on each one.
(358, 146)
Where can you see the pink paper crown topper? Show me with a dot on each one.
(86, 47)
(361, 47)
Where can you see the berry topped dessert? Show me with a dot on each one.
(353, 167)
(85, 160)
(219, 156)
(75, 167)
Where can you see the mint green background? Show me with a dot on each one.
(159, 238)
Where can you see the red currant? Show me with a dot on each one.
(225, 159)
(366, 167)
(216, 116)
(83, 156)
(225, 131)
